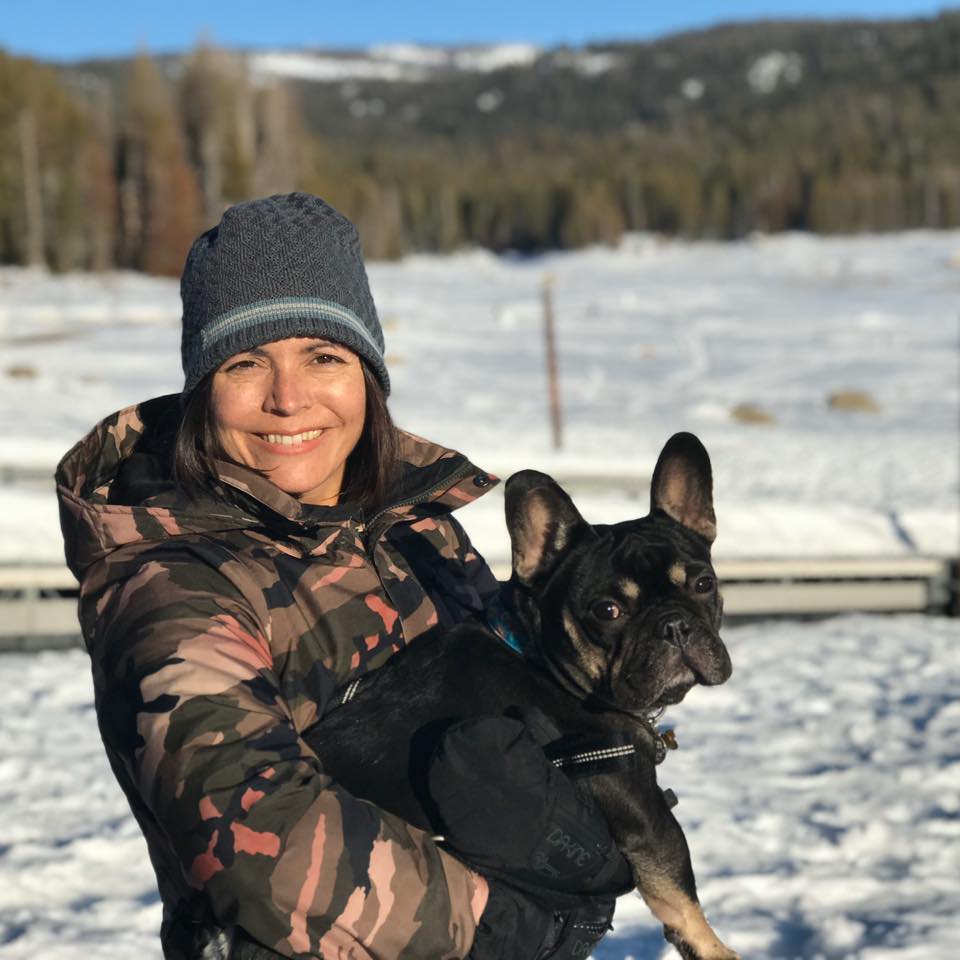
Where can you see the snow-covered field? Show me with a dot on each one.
(820, 788)
(819, 791)
(653, 337)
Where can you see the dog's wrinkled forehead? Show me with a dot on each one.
(653, 546)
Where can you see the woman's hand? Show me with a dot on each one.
(509, 813)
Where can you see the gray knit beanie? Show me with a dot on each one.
(284, 266)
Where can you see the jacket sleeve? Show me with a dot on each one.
(198, 721)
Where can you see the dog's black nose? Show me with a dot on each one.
(676, 631)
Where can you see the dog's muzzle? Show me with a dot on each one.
(703, 652)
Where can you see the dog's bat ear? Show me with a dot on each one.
(682, 485)
(543, 522)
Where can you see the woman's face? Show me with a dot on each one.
(292, 410)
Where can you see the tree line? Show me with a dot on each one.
(92, 177)
(98, 173)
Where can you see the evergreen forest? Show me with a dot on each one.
(832, 127)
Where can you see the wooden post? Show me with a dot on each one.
(553, 381)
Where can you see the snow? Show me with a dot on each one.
(411, 53)
(329, 68)
(693, 88)
(589, 63)
(819, 788)
(402, 62)
(774, 68)
(374, 107)
(489, 100)
(654, 336)
(498, 56)
(819, 791)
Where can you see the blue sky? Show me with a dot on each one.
(69, 29)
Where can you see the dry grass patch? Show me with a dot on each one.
(21, 371)
(752, 414)
(46, 336)
(853, 401)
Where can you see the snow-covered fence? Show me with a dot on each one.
(26, 475)
(798, 587)
(38, 604)
(38, 608)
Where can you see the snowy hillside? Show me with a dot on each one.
(404, 62)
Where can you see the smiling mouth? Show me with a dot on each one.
(291, 439)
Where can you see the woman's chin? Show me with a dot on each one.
(301, 484)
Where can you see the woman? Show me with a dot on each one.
(245, 550)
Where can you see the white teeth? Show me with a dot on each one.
(286, 440)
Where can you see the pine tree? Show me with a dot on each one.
(158, 191)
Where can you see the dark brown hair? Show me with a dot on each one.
(370, 471)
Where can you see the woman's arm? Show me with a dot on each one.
(199, 727)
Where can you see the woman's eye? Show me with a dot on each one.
(324, 358)
(704, 584)
(240, 365)
(606, 610)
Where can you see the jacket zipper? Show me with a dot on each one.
(444, 484)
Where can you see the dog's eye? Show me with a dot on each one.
(606, 610)
(704, 584)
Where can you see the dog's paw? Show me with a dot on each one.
(682, 947)
(688, 952)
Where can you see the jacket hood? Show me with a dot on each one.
(115, 488)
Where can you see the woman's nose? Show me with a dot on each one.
(288, 394)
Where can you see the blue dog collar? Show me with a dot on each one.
(504, 625)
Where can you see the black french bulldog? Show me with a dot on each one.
(620, 620)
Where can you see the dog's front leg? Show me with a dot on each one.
(651, 839)
(665, 881)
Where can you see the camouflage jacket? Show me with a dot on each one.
(218, 632)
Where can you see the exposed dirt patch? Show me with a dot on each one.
(854, 401)
(47, 336)
(751, 413)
